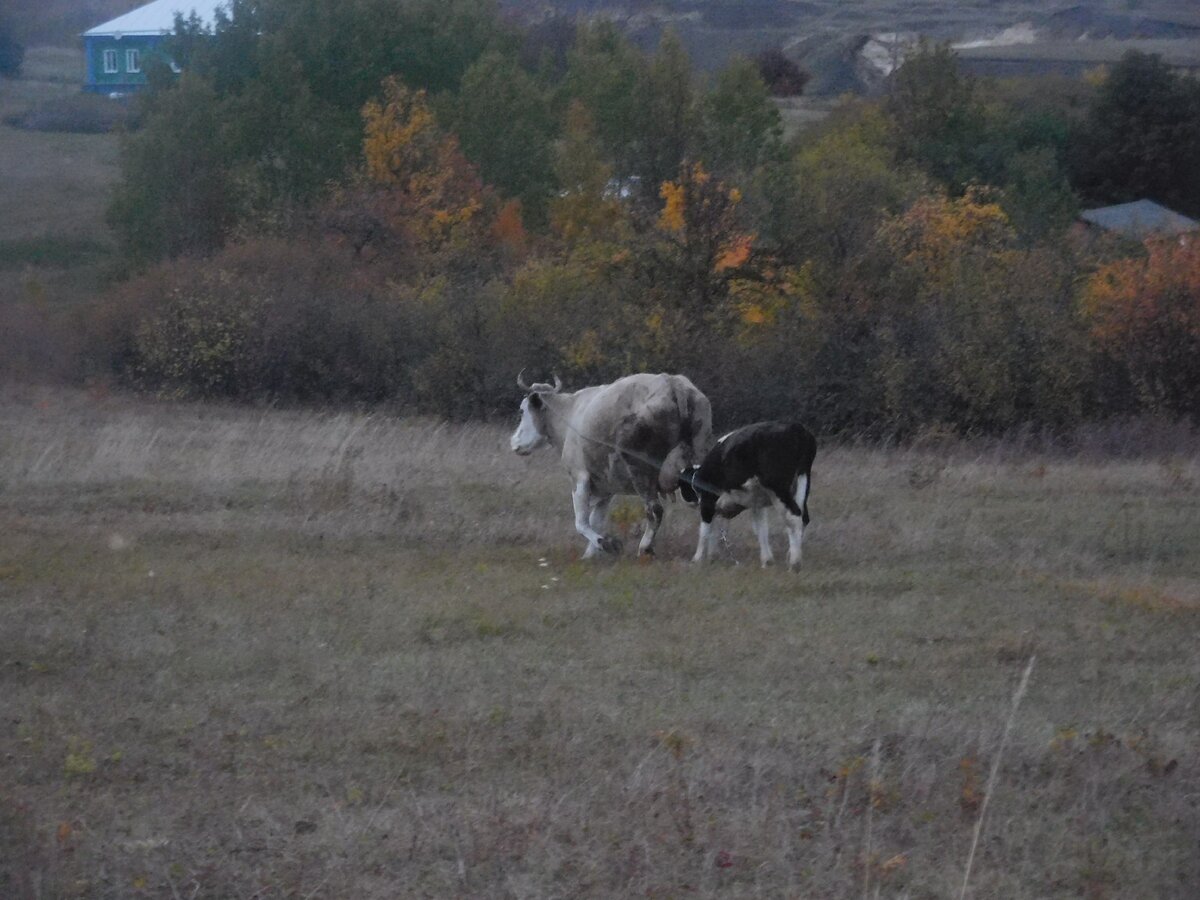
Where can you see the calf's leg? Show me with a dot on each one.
(762, 531)
(706, 546)
(795, 523)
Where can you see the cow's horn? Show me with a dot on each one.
(557, 382)
(521, 381)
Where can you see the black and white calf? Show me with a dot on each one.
(756, 467)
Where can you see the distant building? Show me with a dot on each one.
(1137, 221)
(119, 51)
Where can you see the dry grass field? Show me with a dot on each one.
(56, 250)
(54, 183)
(280, 654)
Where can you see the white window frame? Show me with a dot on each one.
(133, 60)
(110, 62)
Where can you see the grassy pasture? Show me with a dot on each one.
(282, 654)
(54, 183)
(55, 246)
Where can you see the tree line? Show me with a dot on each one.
(407, 201)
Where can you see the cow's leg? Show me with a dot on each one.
(598, 517)
(583, 501)
(762, 531)
(654, 517)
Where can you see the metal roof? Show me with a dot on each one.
(157, 17)
(1139, 219)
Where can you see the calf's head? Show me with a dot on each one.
(687, 485)
(534, 429)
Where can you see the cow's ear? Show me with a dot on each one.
(535, 400)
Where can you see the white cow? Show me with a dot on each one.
(633, 436)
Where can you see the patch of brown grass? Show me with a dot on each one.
(300, 654)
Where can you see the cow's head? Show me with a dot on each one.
(533, 431)
(687, 486)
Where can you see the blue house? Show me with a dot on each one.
(119, 51)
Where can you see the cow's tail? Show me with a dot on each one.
(808, 452)
(695, 433)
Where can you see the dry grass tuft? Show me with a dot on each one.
(255, 652)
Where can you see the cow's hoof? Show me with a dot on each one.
(768, 563)
(647, 551)
(611, 545)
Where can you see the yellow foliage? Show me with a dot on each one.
(672, 216)
(1158, 293)
(400, 134)
(736, 253)
(753, 314)
(509, 229)
(586, 352)
(757, 304)
(935, 231)
(688, 197)
(1096, 76)
(434, 189)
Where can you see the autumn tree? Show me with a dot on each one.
(969, 328)
(432, 193)
(286, 82)
(701, 242)
(1144, 314)
(705, 284)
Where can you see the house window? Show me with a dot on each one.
(110, 62)
(133, 61)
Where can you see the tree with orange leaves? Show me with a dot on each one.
(434, 193)
(1145, 314)
(701, 243)
(962, 324)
